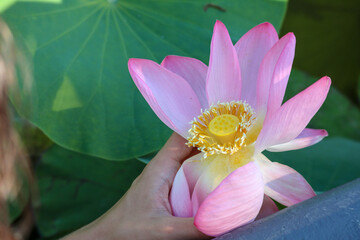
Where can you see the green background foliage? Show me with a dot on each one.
(338, 115)
(75, 189)
(328, 37)
(83, 99)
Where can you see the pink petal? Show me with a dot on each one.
(193, 71)
(284, 184)
(306, 138)
(215, 170)
(274, 74)
(251, 49)
(223, 81)
(235, 202)
(268, 208)
(169, 95)
(180, 200)
(291, 119)
(183, 185)
(193, 168)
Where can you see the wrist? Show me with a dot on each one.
(94, 230)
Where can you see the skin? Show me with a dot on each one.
(144, 212)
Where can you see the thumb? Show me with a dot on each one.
(169, 159)
(174, 151)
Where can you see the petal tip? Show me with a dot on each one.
(327, 79)
(219, 26)
(170, 59)
(165, 60)
(218, 22)
(131, 62)
(137, 65)
(324, 133)
(290, 37)
(132, 67)
(291, 34)
(267, 25)
(325, 82)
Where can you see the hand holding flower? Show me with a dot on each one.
(144, 212)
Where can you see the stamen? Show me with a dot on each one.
(222, 128)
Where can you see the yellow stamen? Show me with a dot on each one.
(224, 127)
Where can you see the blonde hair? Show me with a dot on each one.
(13, 160)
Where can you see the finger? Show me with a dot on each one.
(182, 228)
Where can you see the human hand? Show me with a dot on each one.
(144, 212)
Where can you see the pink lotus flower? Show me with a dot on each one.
(231, 111)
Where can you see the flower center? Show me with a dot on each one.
(222, 128)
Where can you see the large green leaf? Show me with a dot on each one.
(74, 189)
(83, 97)
(326, 165)
(338, 115)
